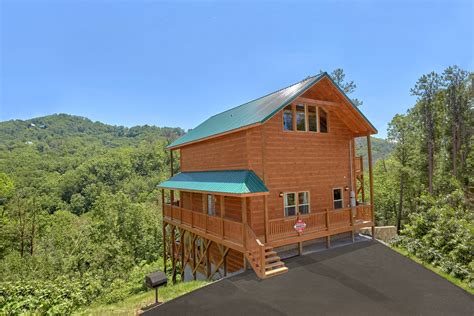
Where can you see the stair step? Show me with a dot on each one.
(274, 265)
(271, 259)
(270, 254)
(268, 248)
(276, 271)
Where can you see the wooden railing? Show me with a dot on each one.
(364, 213)
(220, 227)
(256, 249)
(359, 164)
(282, 228)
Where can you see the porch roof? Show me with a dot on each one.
(223, 182)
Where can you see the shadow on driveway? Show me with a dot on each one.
(365, 278)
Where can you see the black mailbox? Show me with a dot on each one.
(155, 280)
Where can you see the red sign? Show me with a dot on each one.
(299, 226)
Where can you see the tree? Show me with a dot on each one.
(348, 87)
(455, 80)
(427, 89)
(399, 133)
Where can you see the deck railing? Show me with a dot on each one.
(318, 221)
(220, 227)
(280, 228)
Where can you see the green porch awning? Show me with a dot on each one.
(226, 182)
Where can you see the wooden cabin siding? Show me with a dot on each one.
(291, 161)
(221, 153)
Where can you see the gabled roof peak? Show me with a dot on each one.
(251, 113)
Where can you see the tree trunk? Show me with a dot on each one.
(430, 166)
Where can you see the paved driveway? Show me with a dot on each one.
(365, 278)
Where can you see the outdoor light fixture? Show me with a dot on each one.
(281, 194)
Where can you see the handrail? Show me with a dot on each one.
(256, 248)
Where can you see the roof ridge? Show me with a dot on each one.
(266, 95)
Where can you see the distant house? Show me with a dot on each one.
(276, 171)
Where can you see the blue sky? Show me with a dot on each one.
(176, 63)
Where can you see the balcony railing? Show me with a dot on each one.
(281, 228)
(223, 228)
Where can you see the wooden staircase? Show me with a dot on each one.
(263, 259)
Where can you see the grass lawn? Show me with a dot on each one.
(132, 304)
(436, 270)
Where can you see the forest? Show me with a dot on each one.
(80, 219)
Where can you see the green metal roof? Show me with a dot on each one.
(253, 112)
(227, 181)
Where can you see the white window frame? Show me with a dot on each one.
(296, 205)
(334, 201)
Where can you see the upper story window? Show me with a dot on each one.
(337, 198)
(323, 121)
(312, 119)
(305, 118)
(288, 118)
(211, 205)
(300, 118)
(296, 203)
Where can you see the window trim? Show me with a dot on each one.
(305, 108)
(342, 198)
(297, 204)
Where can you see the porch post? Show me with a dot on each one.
(244, 222)
(222, 215)
(371, 183)
(265, 202)
(164, 226)
(172, 174)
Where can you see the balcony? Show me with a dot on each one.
(280, 231)
(221, 230)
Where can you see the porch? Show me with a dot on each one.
(229, 232)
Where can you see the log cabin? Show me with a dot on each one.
(274, 172)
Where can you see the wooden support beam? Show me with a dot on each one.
(173, 254)
(164, 227)
(182, 246)
(194, 255)
(208, 262)
(221, 261)
(222, 214)
(371, 183)
(244, 220)
(300, 248)
(265, 205)
(328, 237)
(203, 254)
(310, 101)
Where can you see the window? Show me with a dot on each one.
(300, 118)
(303, 202)
(211, 205)
(290, 204)
(312, 119)
(296, 203)
(337, 198)
(288, 118)
(323, 121)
